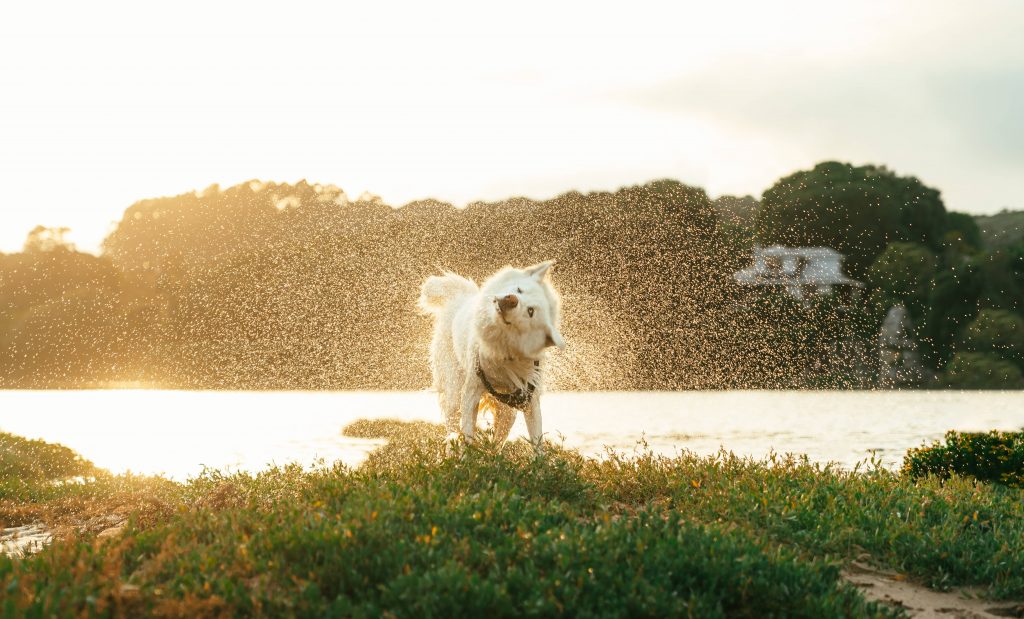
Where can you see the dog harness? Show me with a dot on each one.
(517, 399)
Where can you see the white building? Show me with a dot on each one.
(899, 362)
(804, 272)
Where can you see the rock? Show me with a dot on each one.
(111, 531)
(23, 540)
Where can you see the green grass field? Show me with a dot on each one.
(419, 531)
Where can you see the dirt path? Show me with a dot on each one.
(919, 601)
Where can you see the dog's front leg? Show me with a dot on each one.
(472, 391)
(504, 419)
(533, 423)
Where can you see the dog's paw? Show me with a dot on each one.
(454, 444)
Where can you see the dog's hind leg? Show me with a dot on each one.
(471, 394)
(504, 417)
(450, 409)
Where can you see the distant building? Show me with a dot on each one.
(899, 362)
(803, 272)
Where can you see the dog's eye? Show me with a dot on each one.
(529, 311)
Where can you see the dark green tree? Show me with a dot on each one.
(952, 304)
(965, 228)
(902, 274)
(978, 370)
(1003, 278)
(61, 314)
(857, 210)
(999, 332)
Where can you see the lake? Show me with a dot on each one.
(177, 433)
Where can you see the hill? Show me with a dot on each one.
(1002, 229)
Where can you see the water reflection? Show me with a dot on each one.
(176, 433)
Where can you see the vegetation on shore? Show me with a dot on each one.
(32, 460)
(420, 531)
(50, 484)
(987, 456)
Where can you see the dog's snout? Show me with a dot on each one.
(508, 302)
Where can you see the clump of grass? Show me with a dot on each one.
(50, 483)
(427, 528)
(960, 532)
(32, 460)
(991, 456)
(416, 442)
(393, 430)
(479, 532)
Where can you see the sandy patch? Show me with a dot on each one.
(919, 601)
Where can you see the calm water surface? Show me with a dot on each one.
(178, 432)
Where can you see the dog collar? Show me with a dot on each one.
(516, 399)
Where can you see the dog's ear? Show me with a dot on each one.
(538, 270)
(554, 338)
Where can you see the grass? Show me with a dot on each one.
(947, 533)
(421, 531)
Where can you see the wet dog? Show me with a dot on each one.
(491, 340)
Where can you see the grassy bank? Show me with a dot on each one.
(417, 532)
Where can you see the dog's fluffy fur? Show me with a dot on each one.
(505, 326)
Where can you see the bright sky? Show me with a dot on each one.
(104, 103)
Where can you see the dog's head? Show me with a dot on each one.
(524, 308)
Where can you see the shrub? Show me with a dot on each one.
(993, 456)
(979, 370)
(34, 460)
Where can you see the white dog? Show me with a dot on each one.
(492, 340)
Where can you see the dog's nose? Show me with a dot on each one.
(508, 302)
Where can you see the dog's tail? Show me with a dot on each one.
(439, 290)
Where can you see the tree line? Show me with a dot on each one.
(297, 286)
